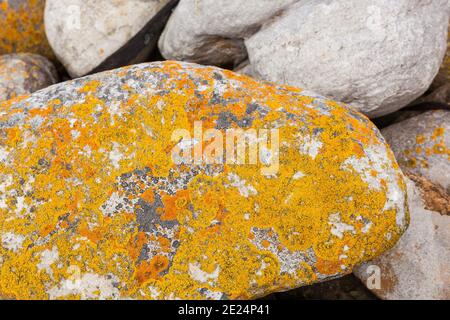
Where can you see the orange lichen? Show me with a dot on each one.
(174, 204)
(265, 243)
(438, 132)
(417, 155)
(90, 86)
(151, 270)
(148, 196)
(328, 267)
(420, 139)
(23, 28)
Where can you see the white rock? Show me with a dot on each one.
(213, 31)
(418, 266)
(378, 56)
(83, 33)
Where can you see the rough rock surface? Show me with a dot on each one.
(24, 73)
(418, 266)
(377, 56)
(22, 27)
(93, 206)
(83, 33)
(421, 145)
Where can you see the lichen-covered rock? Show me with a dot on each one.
(421, 145)
(22, 27)
(377, 56)
(103, 34)
(418, 266)
(24, 73)
(93, 205)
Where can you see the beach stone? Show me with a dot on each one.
(421, 145)
(97, 35)
(378, 59)
(94, 204)
(24, 73)
(22, 27)
(213, 32)
(418, 266)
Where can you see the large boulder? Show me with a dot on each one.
(418, 266)
(95, 35)
(377, 56)
(22, 28)
(101, 197)
(421, 145)
(24, 73)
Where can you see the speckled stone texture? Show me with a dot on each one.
(421, 145)
(93, 206)
(377, 56)
(22, 27)
(418, 266)
(24, 73)
(83, 33)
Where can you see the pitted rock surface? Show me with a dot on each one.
(24, 73)
(92, 205)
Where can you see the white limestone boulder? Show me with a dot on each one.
(377, 56)
(86, 35)
(213, 32)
